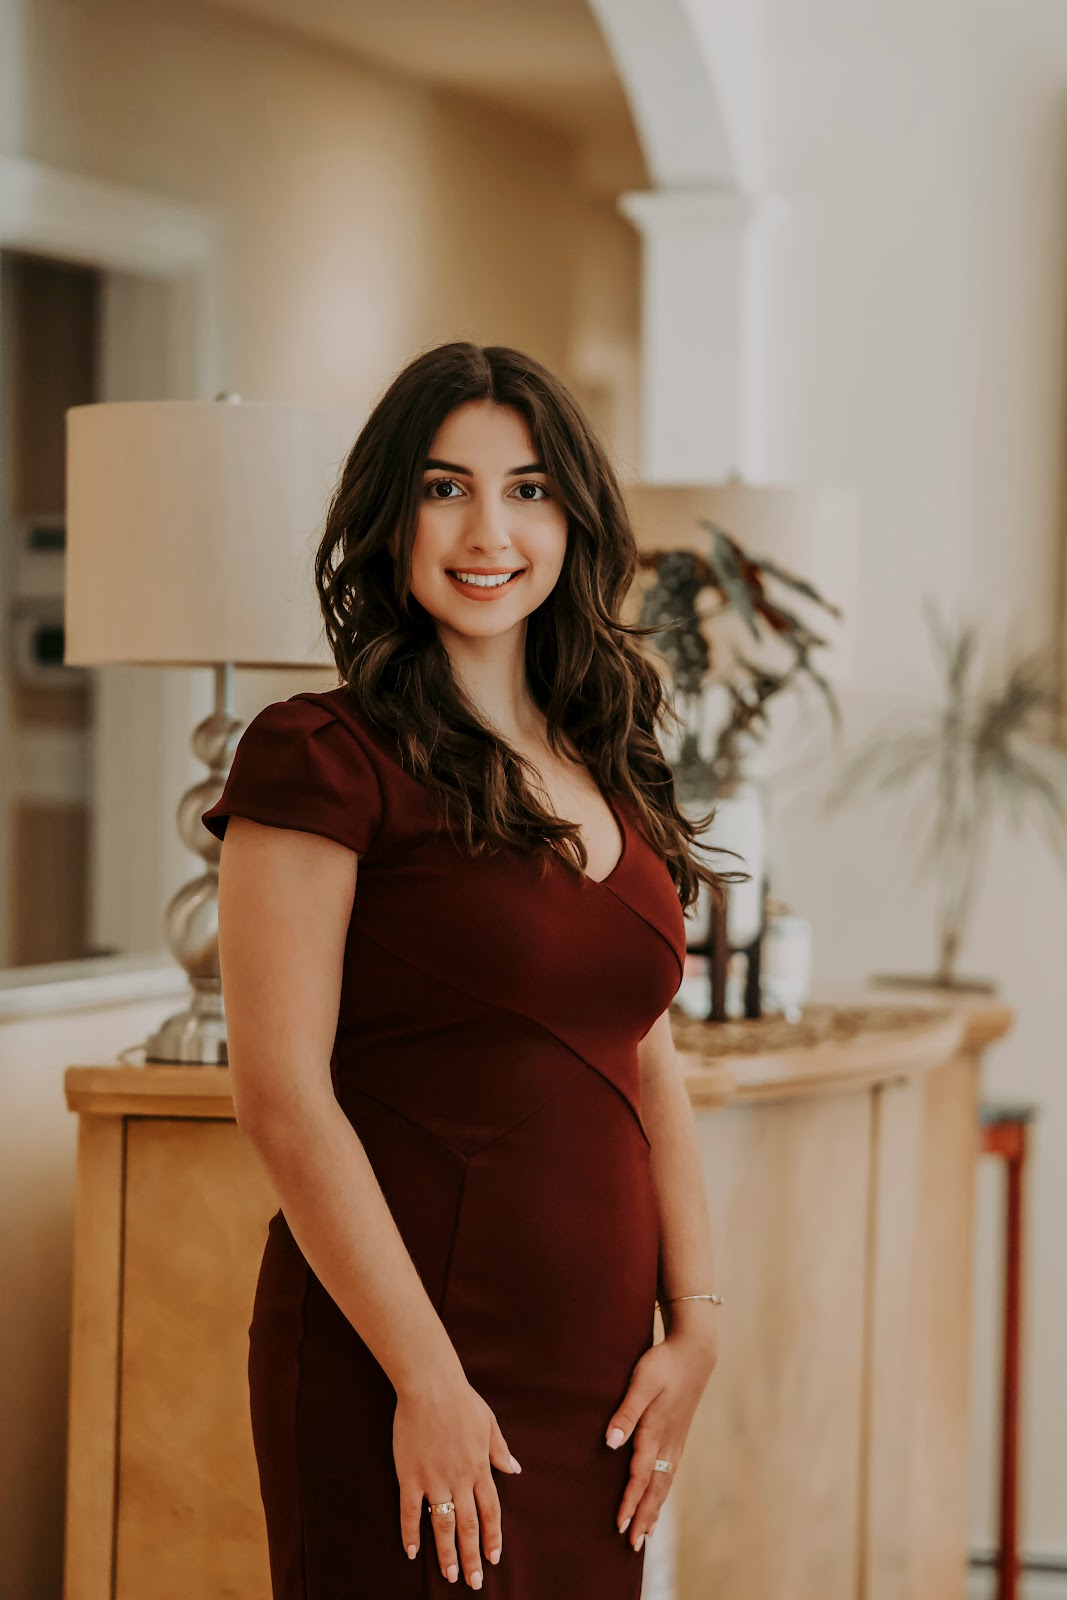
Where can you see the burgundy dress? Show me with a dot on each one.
(486, 1055)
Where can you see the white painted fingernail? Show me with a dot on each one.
(639, 1541)
(411, 1551)
(615, 1438)
(476, 1580)
(652, 1530)
(452, 1573)
(624, 1525)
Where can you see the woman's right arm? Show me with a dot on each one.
(285, 898)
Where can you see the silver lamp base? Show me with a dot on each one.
(197, 1035)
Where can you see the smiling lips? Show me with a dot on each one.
(488, 581)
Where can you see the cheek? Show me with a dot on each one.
(547, 569)
(554, 541)
(427, 550)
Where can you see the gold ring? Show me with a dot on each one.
(442, 1505)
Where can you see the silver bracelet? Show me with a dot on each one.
(718, 1299)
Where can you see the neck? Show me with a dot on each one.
(492, 674)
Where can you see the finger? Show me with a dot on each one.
(646, 1491)
(499, 1454)
(410, 1518)
(488, 1500)
(622, 1423)
(467, 1528)
(648, 1448)
(635, 1488)
(649, 1506)
(444, 1533)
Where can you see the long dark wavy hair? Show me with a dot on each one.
(598, 693)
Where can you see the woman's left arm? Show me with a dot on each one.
(670, 1377)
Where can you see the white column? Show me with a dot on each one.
(703, 330)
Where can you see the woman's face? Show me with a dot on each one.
(487, 510)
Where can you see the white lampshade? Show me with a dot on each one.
(192, 528)
(812, 533)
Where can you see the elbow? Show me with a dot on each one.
(245, 1118)
(270, 1122)
(257, 1118)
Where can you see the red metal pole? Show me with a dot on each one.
(1009, 1427)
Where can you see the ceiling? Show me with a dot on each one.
(544, 59)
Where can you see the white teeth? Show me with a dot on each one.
(481, 581)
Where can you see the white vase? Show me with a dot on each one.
(786, 968)
(739, 824)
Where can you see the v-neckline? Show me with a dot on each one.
(620, 823)
(386, 747)
(599, 883)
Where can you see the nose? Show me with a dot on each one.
(487, 530)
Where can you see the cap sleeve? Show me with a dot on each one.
(296, 766)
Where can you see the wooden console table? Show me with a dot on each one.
(828, 1458)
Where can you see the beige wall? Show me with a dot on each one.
(366, 216)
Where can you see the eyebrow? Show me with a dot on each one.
(452, 466)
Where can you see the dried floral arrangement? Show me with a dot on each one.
(694, 594)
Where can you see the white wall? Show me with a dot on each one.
(916, 352)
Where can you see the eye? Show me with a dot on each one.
(435, 483)
(529, 484)
(450, 483)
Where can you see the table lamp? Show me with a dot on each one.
(191, 532)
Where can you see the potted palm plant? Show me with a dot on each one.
(986, 751)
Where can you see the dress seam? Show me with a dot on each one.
(486, 1144)
(651, 925)
(508, 1011)
(421, 1126)
(446, 1276)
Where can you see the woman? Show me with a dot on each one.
(460, 1073)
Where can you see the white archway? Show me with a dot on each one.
(682, 68)
(691, 71)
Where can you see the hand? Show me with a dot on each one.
(445, 1440)
(657, 1409)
